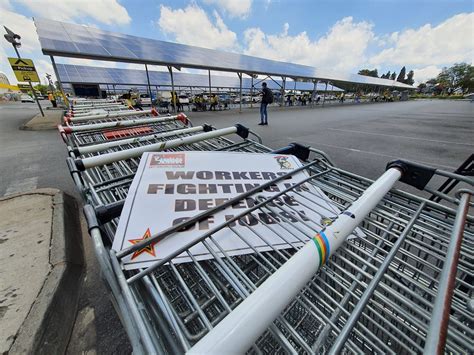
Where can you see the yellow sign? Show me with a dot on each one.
(24, 87)
(24, 69)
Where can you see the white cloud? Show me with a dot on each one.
(5, 5)
(191, 25)
(342, 48)
(105, 11)
(426, 73)
(449, 42)
(233, 8)
(30, 47)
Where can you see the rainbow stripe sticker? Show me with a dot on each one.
(323, 247)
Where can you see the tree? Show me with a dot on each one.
(421, 87)
(444, 78)
(387, 76)
(393, 76)
(409, 80)
(401, 76)
(460, 75)
(367, 72)
(43, 89)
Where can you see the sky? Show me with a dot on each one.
(339, 35)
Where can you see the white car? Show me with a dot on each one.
(183, 99)
(26, 98)
(145, 99)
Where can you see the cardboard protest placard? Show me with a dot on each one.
(171, 187)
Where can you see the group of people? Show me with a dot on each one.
(291, 100)
(133, 100)
(200, 103)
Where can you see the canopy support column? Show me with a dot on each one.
(148, 82)
(173, 96)
(313, 94)
(240, 92)
(251, 93)
(283, 79)
(324, 95)
(59, 82)
(209, 72)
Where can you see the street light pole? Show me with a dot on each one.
(50, 82)
(14, 39)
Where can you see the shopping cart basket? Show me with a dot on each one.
(93, 133)
(95, 110)
(405, 287)
(103, 115)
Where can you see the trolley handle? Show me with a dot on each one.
(106, 213)
(93, 161)
(419, 175)
(414, 174)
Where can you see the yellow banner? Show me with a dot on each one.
(10, 87)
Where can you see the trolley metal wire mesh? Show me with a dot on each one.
(391, 276)
(96, 110)
(107, 134)
(179, 303)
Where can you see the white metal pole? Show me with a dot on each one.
(100, 111)
(240, 92)
(126, 123)
(104, 146)
(113, 114)
(90, 162)
(95, 104)
(236, 333)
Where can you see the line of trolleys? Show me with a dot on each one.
(405, 287)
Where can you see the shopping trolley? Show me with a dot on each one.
(84, 110)
(390, 291)
(95, 111)
(76, 135)
(82, 104)
(107, 116)
(86, 102)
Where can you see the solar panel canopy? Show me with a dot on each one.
(78, 41)
(113, 76)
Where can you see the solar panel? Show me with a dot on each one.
(113, 76)
(78, 41)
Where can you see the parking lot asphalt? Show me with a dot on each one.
(358, 138)
(363, 138)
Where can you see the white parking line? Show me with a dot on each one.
(403, 137)
(22, 186)
(385, 155)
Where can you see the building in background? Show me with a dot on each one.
(4, 79)
(6, 87)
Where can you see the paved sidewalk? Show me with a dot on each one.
(50, 120)
(40, 271)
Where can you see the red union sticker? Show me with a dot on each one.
(170, 160)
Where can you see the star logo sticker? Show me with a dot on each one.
(150, 249)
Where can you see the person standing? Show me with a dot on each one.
(267, 98)
(52, 99)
